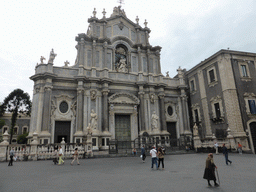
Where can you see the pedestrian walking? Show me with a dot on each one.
(239, 148)
(60, 156)
(225, 153)
(216, 147)
(153, 154)
(143, 153)
(55, 156)
(160, 155)
(209, 171)
(11, 156)
(75, 156)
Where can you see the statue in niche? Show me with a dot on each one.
(152, 98)
(195, 130)
(93, 95)
(120, 60)
(52, 57)
(122, 66)
(94, 120)
(154, 120)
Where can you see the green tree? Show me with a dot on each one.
(22, 139)
(17, 102)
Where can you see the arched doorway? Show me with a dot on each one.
(253, 134)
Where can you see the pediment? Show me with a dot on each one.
(123, 98)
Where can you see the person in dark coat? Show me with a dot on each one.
(209, 172)
(143, 153)
(225, 153)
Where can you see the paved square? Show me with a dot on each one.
(181, 173)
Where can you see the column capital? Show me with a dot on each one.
(48, 88)
(141, 93)
(80, 90)
(105, 91)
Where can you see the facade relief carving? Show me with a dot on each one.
(93, 95)
(94, 118)
(154, 121)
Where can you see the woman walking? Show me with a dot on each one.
(209, 172)
(75, 155)
(160, 155)
(60, 156)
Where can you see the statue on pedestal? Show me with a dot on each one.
(94, 118)
(154, 120)
(52, 57)
(122, 66)
(195, 130)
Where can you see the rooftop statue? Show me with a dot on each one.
(52, 57)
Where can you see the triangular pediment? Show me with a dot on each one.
(123, 98)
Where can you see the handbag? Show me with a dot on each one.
(141, 156)
(60, 154)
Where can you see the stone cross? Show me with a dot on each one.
(104, 13)
(66, 63)
(137, 20)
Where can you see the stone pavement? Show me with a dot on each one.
(181, 173)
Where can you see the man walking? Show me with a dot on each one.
(11, 157)
(153, 155)
(225, 153)
(143, 153)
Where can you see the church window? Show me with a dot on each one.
(134, 64)
(93, 141)
(97, 59)
(24, 130)
(63, 107)
(151, 69)
(133, 34)
(196, 115)
(109, 61)
(98, 31)
(89, 58)
(145, 69)
(103, 142)
(244, 70)
(170, 110)
(252, 106)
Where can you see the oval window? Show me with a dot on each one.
(63, 107)
(170, 111)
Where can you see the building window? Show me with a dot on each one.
(93, 141)
(15, 131)
(24, 130)
(103, 141)
(5, 129)
(63, 107)
(196, 116)
(244, 71)
(211, 75)
(170, 110)
(217, 110)
(252, 106)
(192, 85)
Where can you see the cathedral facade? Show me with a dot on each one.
(115, 89)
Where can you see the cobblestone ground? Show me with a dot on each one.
(181, 173)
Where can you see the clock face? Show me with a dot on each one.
(170, 111)
(63, 107)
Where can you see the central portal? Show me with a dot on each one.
(122, 127)
(62, 129)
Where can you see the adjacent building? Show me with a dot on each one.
(222, 92)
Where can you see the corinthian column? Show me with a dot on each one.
(79, 109)
(105, 110)
(162, 112)
(142, 110)
(46, 108)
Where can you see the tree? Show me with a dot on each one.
(22, 139)
(17, 102)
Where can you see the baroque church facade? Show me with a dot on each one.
(115, 89)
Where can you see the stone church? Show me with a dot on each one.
(115, 89)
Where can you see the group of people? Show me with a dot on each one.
(157, 156)
(60, 155)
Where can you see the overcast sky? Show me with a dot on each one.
(188, 31)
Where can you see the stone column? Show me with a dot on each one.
(93, 53)
(81, 52)
(113, 58)
(79, 109)
(46, 108)
(142, 108)
(184, 112)
(138, 36)
(148, 60)
(104, 30)
(162, 112)
(139, 59)
(158, 62)
(105, 110)
(105, 46)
